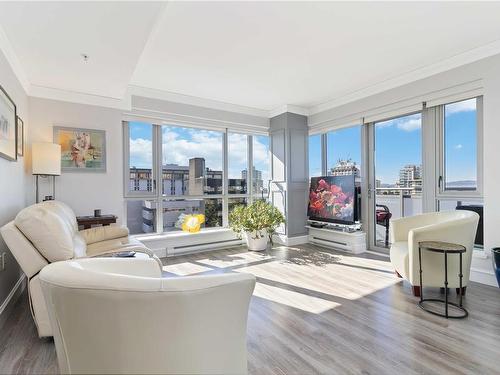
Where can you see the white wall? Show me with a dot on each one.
(487, 70)
(82, 191)
(12, 178)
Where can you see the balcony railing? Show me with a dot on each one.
(399, 201)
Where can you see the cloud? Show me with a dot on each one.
(463, 106)
(458, 147)
(410, 125)
(385, 124)
(406, 123)
(141, 153)
(179, 148)
(180, 145)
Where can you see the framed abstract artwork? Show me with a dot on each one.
(8, 127)
(82, 150)
(20, 136)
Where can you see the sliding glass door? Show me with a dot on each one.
(395, 186)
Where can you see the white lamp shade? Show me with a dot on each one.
(46, 159)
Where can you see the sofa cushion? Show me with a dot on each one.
(117, 244)
(50, 229)
(104, 233)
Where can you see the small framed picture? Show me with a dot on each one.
(8, 127)
(82, 150)
(20, 136)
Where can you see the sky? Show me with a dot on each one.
(181, 144)
(398, 142)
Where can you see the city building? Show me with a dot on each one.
(410, 178)
(257, 181)
(345, 167)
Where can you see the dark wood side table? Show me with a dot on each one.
(87, 221)
(446, 249)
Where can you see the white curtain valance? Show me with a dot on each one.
(193, 122)
(454, 97)
(403, 107)
(340, 123)
(387, 113)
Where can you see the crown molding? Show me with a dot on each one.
(288, 108)
(80, 97)
(456, 61)
(124, 103)
(196, 101)
(12, 59)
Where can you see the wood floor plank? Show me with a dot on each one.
(316, 311)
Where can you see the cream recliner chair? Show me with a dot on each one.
(450, 226)
(111, 316)
(47, 232)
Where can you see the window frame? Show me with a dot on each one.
(441, 192)
(157, 196)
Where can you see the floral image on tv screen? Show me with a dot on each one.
(331, 198)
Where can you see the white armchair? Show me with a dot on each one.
(451, 226)
(113, 316)
(47, 232)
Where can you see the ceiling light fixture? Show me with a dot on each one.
(85, 57)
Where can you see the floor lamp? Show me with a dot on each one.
(46, 162)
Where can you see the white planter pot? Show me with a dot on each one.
(257, 240)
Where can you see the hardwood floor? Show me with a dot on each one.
(319, 311)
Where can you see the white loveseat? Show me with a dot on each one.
(114, 316)
(47, 232)
(451, 226)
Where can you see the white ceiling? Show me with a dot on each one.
(49, 38)
(253, 54)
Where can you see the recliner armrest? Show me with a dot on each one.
(103, 233)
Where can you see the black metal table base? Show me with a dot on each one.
(445, 315)
(443, 248)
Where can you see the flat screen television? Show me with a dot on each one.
(332, 199)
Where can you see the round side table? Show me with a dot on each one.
(446, 249)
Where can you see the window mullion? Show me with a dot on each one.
(158, 175)
(480, 143)
(324, 154)
(225, 179)
(249, 181)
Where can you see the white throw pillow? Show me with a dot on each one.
(48, 230)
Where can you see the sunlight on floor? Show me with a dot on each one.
(356, 280)
(185, 269)
(293, 299)
(231, 260)
(313, 281)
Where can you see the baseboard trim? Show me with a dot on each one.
(11, 298)
(483, 276)
(291, 241)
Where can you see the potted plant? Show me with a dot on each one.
(257, 221)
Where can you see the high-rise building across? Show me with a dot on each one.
(410, 176)
(345, 167)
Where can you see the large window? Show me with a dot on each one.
(430, 160)
(196, 174)
(460, 140)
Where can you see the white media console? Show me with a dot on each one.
(352, 242)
